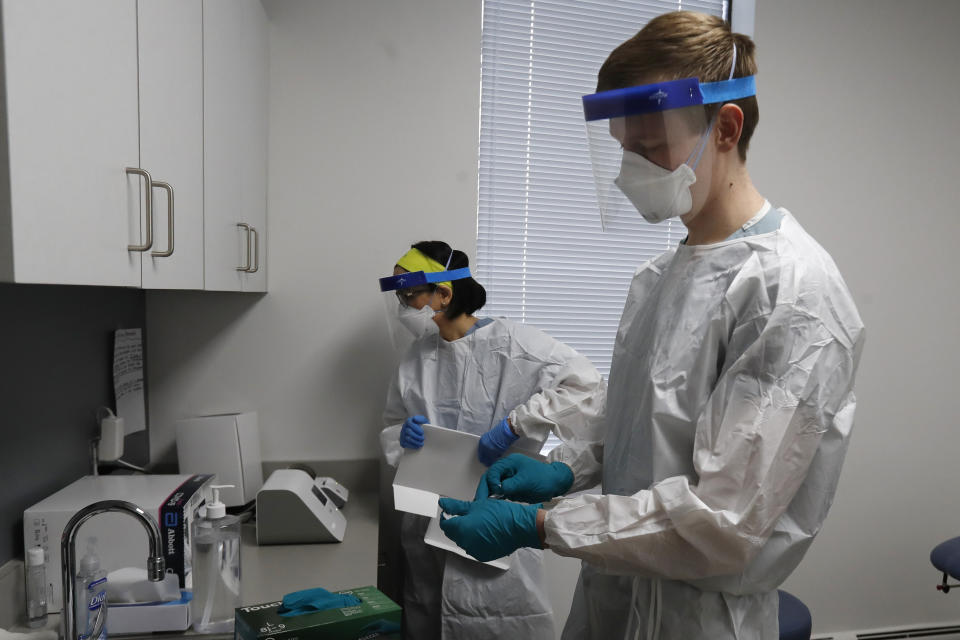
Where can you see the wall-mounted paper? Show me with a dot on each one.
(128, 379)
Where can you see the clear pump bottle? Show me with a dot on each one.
(35, 577)
(215, 537)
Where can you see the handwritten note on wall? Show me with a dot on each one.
(128, 379)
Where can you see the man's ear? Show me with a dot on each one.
(729, 127)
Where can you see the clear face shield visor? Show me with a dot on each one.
(649, 147)
(409, 299)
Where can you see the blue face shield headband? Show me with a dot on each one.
(663, 96)
(418, 278)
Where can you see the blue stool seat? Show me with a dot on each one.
(795, 620)
(946, 557)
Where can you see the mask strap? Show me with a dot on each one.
(701, 146)
(703, 140)
(733, 66)
(445, 268)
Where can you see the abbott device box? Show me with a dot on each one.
(226, 445)
(377, 616)
(122, 541)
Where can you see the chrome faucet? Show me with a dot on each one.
(68, 558)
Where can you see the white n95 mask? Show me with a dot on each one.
(657, 193)
(660, 194)
(418, 322)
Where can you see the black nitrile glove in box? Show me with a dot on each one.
(377, 616)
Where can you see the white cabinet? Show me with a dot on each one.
(99, 91)
(235, 144)
(170, 36)
(68, 210)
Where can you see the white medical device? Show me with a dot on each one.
(333, 490)
(172, 500)
(293, 509)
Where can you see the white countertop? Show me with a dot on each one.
(269, 572)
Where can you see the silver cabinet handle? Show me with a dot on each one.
(246, 228)
(256, 251)
(169, 190)
(149, 243)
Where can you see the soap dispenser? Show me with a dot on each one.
(215, 540)
(91, 594)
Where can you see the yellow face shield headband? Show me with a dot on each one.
(416, 260)
(422, 270)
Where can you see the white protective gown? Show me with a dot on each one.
(729, 411)
(470, 384)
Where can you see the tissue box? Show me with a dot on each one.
(227, 446)
(377, 616)
(147, 618)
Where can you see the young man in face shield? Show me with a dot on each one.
(730, 399)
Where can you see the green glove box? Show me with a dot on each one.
(377, 616)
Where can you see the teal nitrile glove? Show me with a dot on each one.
(489, 529)
(411, 433)
(519, 477)
(495, 441)
(380, 627)
(312, 600)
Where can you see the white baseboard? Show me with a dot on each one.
(928, 632)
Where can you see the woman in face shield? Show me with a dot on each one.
(506, 382)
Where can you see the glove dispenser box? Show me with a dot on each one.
(227, 445)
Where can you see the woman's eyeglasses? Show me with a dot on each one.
(406, 296)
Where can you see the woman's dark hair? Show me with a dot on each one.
(468, 294)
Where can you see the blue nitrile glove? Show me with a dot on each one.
(519, 477)
(494, 442)
(488, 529)
(411, 434)
(311, 600)
(379, 627)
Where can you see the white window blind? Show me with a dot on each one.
(541, 254)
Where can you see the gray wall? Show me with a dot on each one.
(374, 122)
(56, 349)
(858, 137)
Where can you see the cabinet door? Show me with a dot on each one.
(71, 119)
(171, 137)
(235, 142)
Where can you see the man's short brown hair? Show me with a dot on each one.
(685, 44)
